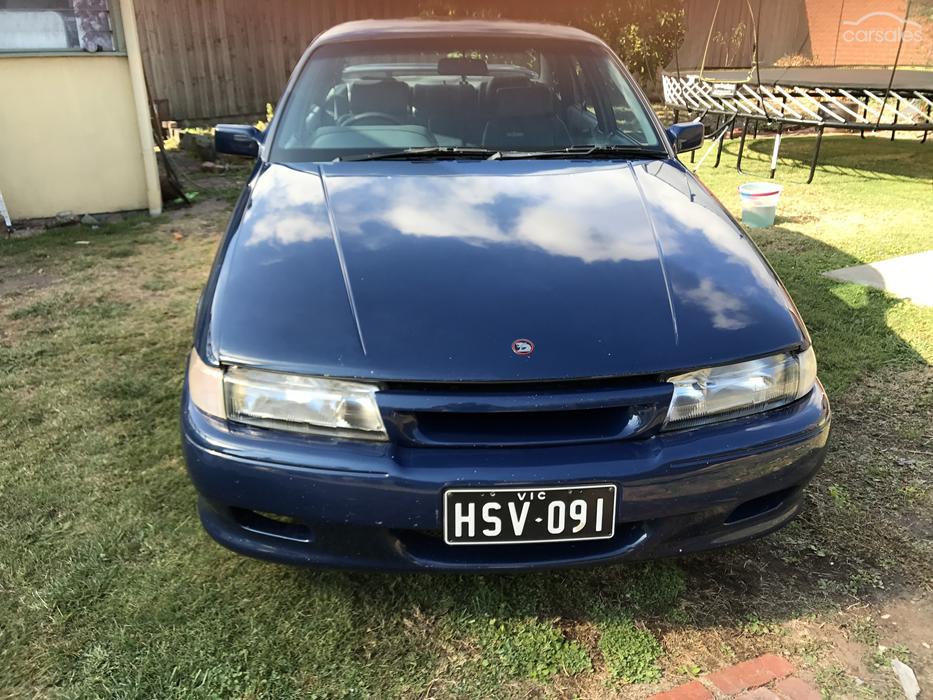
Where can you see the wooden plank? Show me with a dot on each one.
(152, 67)
(195, 56)
(209, 51)
(179, 67)
(226, 77)
(257, 33)
(328, 18)
(198, 55)
(244, 67)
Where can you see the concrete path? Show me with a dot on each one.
(907, 277)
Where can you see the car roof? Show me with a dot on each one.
(376, 29)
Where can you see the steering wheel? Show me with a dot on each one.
(349, 119)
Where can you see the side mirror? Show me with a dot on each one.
(237, 139)
(686, 136)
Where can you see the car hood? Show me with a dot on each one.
(429, 271)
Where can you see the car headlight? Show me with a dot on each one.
(731, 391)
(287, 401)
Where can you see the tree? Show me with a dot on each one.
(644, 33)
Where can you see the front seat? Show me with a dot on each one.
(449, 111)
(525, 119)
(391, 97)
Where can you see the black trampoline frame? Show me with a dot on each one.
(854, 107)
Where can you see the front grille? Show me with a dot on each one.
(504, 415)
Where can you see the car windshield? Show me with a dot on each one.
(437, 96)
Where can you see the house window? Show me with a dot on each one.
(56, 25)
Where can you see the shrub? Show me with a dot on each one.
(644, 34)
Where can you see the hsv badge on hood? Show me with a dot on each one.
(523, 347)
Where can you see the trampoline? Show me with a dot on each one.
(830, 76)
(856, 99)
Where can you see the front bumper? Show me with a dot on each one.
(311, 501)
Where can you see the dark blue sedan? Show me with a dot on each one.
(471, 313)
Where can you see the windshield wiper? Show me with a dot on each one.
(609, 151)
(453, 152)
(426, 153)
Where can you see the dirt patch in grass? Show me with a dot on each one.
(205, 216)
(15, 282)
(852, 573)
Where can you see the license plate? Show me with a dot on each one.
(527, 515)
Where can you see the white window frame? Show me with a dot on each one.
(61, 48)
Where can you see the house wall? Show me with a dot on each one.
(729, 28)
(822, 32)
(867, 32)
(71, 134)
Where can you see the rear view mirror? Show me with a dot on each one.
(237, 139)
(452, 65)
(686, 136)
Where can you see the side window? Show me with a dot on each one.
(626, 120)
(56, 25)
(580, 104)
(621, 108)
(583, 89)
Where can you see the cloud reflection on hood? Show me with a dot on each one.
(593, 213)
(612, 268)
(697, 277)
(287, 208)
(581, 219)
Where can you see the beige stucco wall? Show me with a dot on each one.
(69, 136)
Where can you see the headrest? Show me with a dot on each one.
(389, 96)
(444, 97)
(527, 101)
(497, 82)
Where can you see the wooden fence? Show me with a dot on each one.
(207, 59)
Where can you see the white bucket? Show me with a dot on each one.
(759, 203)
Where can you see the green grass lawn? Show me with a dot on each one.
(109, 588)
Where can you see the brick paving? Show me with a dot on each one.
(758, 694)
(694, 690)
(769, 677)
(795, 689)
